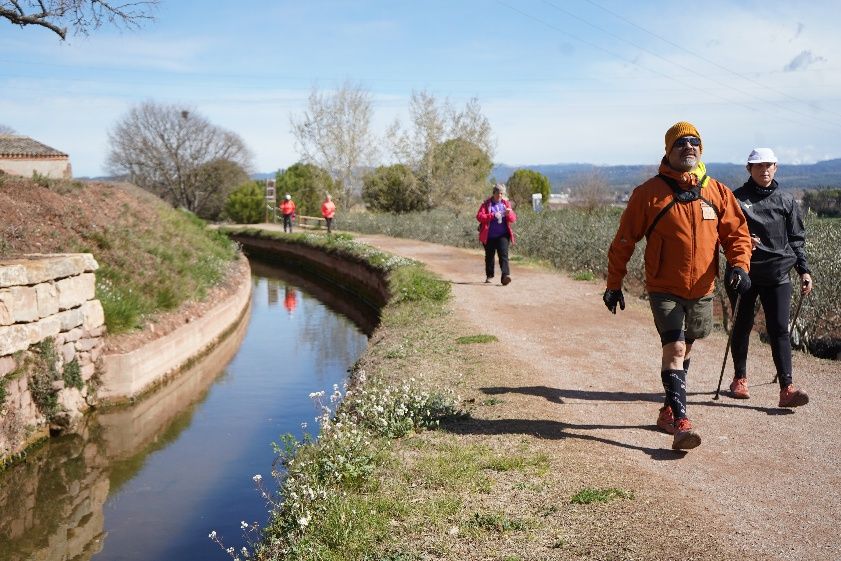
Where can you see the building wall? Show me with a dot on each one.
(56, 168)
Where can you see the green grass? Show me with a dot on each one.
(588, 495)
(471, 339)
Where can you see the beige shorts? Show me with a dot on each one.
(679, 319)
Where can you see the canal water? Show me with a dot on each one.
(151, 481)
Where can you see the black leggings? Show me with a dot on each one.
(776, 302)
(287, 222)
(500, 247)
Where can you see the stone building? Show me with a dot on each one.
(24, 156)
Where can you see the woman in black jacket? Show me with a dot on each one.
(778, 236)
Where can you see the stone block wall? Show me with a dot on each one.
(51, 338)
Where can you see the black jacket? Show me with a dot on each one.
(773, 216)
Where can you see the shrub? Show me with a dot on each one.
(246, 205)
(525, 182)
(308, 184)
(393, 189)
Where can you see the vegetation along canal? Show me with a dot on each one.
(152, 480)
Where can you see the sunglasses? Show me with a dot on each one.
(691, 140)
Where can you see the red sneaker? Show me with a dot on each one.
(739, 388)
(666, 420)
(792, 397)
(685, 437)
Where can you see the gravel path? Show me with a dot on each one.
(767, 479)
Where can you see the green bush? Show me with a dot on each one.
(308, 184)
(525, 182)
(247, 204)
(393, 189)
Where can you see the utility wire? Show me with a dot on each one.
(705, 59)
(692, 86)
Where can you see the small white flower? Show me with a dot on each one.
(257, 478)
(303, 521)
(243, 525)
(212, 535)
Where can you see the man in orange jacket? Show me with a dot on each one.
(684, 216)
(287, 211)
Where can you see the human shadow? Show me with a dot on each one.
(557, 395)
(557, 430)
(773, 411)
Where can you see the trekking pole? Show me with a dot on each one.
(727, 348)
(791, 326)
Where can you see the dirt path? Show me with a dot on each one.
(768, 480)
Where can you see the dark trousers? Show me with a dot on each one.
(776, 302)
(287, 222)
(329, 224)
(500, 247)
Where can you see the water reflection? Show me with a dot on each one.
(150, 481)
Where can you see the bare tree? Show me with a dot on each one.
(82, 15)
(173, 152)
(591, 191)
(335, 133)
(446, 147)
(5, 129)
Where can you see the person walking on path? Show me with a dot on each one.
(495, 217)
(778, 235)
(328, 211)
(287, 211)
(684, 215)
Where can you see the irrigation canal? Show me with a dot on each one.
(152, 480)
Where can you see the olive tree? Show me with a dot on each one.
(177, 154)
(82, 15)
(523, 183)
(335, 133)
(393, 189)
(440, 135)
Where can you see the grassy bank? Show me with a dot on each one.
(152, 257)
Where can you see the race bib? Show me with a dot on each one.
(707, 212)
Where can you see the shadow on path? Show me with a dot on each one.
(556, 430)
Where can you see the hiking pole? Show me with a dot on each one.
(793, 323)
(727, 348)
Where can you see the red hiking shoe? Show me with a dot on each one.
(739, 388)
(666, 420)
(792, 397)
(685, 437)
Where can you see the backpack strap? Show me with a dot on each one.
(671, 182)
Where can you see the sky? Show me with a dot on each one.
(561, 81)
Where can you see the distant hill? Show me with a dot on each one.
(625, 178)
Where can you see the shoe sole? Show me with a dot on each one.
(506, 281)
(735, 395)
(687, 441)
(799, 402)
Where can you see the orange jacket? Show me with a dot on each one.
(681, 255)
(328, 209)
(287, 207)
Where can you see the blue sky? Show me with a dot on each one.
(595, 81)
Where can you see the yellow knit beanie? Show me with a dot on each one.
(680, 130)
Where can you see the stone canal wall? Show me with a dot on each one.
(51, 329)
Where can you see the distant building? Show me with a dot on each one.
(557, 200)
(21, 155)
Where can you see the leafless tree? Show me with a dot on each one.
(335, 133)
(591, 191)
(5, 129)
(175, 153)
(443, 145)
(82, 15)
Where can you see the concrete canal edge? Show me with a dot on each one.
(127, 376)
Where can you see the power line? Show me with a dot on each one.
(705, 59)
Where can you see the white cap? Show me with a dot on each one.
(762, 156)
(288, 197)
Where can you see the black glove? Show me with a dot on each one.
(739, 280)
(611, 297)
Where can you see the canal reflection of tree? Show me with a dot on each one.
(51, 505)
